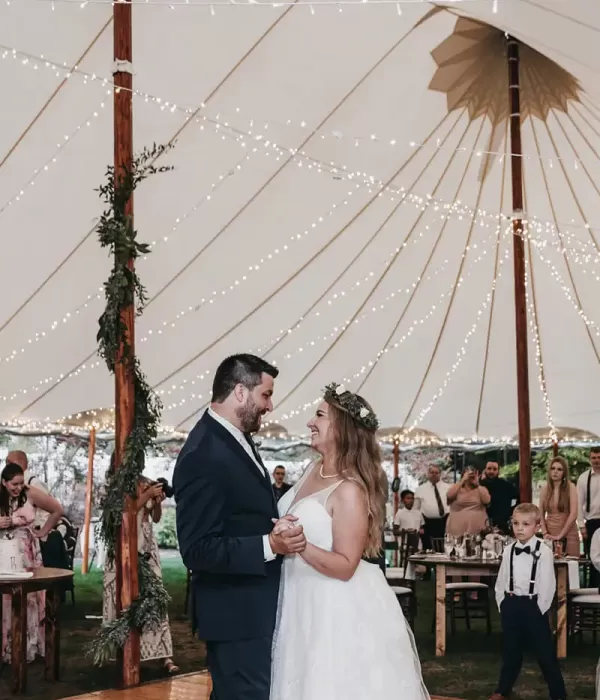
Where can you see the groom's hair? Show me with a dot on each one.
(242, 369)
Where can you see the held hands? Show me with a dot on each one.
(5, 522)
(287, 537)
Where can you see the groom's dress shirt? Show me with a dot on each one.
(239, 436)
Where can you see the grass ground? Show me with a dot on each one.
(468, 671)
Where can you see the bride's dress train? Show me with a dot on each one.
(339, 640)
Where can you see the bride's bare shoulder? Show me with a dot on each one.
(350, 494)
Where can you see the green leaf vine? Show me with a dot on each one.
(124, 289)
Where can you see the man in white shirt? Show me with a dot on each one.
(524, 592)
(588, 496)
(431, 498)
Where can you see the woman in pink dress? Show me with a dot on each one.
(558, 505)
(468, 501)
(18, 505)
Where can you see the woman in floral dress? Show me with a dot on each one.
(154, 643)
(18, 505)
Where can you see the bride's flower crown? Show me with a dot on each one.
(351, 404)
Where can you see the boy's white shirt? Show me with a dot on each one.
(545, 578)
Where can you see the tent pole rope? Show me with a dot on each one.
(456, 281)
(493, 299)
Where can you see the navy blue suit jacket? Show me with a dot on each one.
(224, 508)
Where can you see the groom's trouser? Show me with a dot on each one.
(240, 670)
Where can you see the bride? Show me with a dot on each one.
(340, 632)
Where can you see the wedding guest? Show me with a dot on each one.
(18, 504)
(52, 546)
(588, 494)
(19, 457)
(409, 517)
(558, 506)
(503, 497)
(155, 643)
(525, 589)
(279, 486)
(431, 500)
(468, 501)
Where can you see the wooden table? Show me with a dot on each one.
(489, 567)
(43, 579)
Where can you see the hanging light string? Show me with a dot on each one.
(42, 384)
(302, 408)
(63, 71)
(67, 139)
(446, 210)
(94, 364)
(336, 330)
(68, 316)
(564, 287)
(416, 323)
(214, 4)
(534, 327)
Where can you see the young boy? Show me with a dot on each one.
(409, 517)
(524, 592)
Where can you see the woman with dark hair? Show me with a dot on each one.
(340, 633)
(154, 643)
(18, 505)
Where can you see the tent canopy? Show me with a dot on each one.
(340, 204)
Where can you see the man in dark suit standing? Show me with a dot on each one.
(225, 512)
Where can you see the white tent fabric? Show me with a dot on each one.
(323, 188)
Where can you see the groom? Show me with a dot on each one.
(225, 512)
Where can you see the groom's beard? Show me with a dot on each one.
(250, 417)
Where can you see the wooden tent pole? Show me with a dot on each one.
(89, 487)
(516, 161)
(127, 552)
(396, 475)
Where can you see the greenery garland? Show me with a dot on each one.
(122, 290)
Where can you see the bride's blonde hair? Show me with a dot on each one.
(359, 459)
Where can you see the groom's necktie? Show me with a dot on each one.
(256, 453)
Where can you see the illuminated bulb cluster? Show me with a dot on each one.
(541, 375)
(555, 274)
(583, 254)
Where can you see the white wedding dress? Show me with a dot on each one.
(338, 640)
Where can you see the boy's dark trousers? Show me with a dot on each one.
(524, 627)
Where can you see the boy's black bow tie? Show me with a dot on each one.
(520, 550)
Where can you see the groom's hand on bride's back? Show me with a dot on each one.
(290, 540)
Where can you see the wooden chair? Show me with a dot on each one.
(400, 578)
(465, 600)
